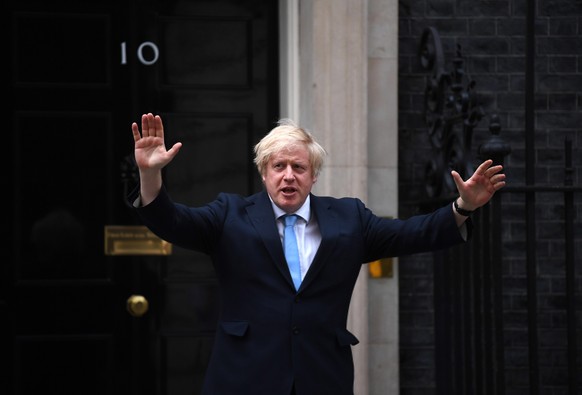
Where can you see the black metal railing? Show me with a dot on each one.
(470, 317)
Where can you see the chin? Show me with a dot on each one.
(289, 207)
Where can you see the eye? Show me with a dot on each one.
(299, 168)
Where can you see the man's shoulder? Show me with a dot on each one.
(344, 199)
(240, 199)
(332, 201)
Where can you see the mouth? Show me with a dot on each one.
(288, 190)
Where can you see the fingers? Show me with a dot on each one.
(483, 167)
(135, 131)
(159, 127)
(144, 125)
(490, 172)
(147, 125)
(497, 178)
(498, 181)
(498, 185)
(486, 168)
(151, 126)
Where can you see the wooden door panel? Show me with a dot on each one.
(64, 364)
(186, 361)
(50, 51)
(60, 225)
(69, 331)
(216, 155)
(223, 42)
(77, 79)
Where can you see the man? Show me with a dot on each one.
(282, 330)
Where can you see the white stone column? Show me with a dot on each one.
(333, 105)
(383, 187)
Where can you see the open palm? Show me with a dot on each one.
(150, 149)
(481, 186)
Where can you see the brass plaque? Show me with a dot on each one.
(381, 268)
(134, 240)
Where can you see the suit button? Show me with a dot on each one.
(296, 330)
(297, 299)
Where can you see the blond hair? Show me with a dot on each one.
(285, 135)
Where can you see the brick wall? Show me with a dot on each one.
(492, 35)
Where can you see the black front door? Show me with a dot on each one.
(79, 74)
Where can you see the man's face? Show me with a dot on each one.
(288, 178)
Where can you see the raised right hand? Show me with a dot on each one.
(150, 149)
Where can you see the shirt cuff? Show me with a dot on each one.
(463, 231)
(137, 202)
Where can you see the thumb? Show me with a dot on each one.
(458, 180)
(172, 152)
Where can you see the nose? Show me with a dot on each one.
(289, 175)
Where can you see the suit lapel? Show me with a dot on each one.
(263, 219)
(329, 229)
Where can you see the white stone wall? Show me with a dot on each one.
(339, 80)
(383, 187)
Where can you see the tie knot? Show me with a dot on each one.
(290, 220)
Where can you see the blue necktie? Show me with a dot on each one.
(291, 250)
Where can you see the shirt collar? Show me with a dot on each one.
(303, 212)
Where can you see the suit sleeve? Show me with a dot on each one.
(422, 233)
(195, 228)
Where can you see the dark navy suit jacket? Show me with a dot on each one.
(269, 336)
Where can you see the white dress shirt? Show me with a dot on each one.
(306, 231)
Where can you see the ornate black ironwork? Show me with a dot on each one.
(470, 349)
(495, 147)
(451, 114)
(129, 176)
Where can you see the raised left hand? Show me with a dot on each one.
(481, 186)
